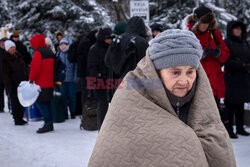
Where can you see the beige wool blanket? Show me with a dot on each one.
(141, 128)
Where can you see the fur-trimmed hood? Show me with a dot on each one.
(191, 22)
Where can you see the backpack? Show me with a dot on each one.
(72, 53)
(121, 59)
(89, 113)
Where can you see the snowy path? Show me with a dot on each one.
(67, 146)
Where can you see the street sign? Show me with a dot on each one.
(141, 9)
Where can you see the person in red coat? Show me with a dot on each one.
(215, 52)
(42, 73)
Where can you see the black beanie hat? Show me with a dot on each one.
(201, 11)
(104, 33)
(157, 27)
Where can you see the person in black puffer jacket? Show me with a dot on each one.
(97, 69)
(237, 76)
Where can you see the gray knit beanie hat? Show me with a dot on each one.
(175, 48)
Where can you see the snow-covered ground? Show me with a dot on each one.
(67, 146)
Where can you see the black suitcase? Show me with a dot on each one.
(58, 109)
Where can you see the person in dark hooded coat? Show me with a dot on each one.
(98, 70)
(83, 47)
(237, 76)
(123, 63)
(85, 42)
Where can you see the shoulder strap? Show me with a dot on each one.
(214, 37)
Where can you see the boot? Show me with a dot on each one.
(45, 128)
(66, 116)
(232, 135)
(242, 132)
(20, 122)
(72, 115)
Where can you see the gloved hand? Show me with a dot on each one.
(58, 83)
(206, 52)
(216, 52)
(247, 67)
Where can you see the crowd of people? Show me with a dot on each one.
(96, 60)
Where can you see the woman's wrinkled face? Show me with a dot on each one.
(12, 50)
(203, 27)
(178, 80)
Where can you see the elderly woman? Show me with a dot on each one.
(14, 71)
(173, 123)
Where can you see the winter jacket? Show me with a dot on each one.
(23, 51)
(212, 65)
(70, 68)
(59, 70)
(96, 65)
(237, 78)
(14, 71)
(135, 28)
(42, 67)
(82, 52)
(141, 128)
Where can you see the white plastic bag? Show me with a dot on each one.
(27, 93)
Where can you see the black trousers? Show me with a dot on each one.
(222, 111)
(236, 110)
(102, 106)
(84, 91)
(1, 96)
(17, 108)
